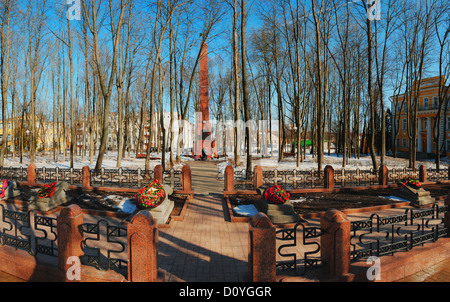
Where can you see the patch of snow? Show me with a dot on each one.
(392, 197)
(301, 199)
(126, 205)
(245, 210)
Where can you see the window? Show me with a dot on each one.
(425, 123)
(404, 124)
(448, 122)
(435, 102)
(405, 107)
(425, 103)
(448, 145)
(404, 142)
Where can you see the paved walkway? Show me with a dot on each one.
(204, 246)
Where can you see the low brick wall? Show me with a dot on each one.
(403, 264)
(142, 241)
(328, 181)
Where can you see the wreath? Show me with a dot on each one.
(3, 187)
(412, 182)
(150, 196)
(47, 190)
(276, 194)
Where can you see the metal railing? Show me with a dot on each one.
(378, 236)
(289, 249)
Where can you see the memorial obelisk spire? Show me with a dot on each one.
(203, 126)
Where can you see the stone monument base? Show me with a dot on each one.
(418, 197)
(46, 204)
(277, 213)
(11, 191)
(162, 212)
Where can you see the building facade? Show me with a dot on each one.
(427, 111)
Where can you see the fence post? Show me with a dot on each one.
(383, 175)
(186, 179)
(329, 177)
(31, 174)
(335, 242)
(262, 249)
(158, 171)
(229, 179)
(86, 178)
(69, 236)
(447, 214)
(258, 177)
(422, 174)
(142, 237)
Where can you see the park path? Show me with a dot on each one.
(205, 246)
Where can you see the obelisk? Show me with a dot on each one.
(203, 127)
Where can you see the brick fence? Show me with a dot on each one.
(328, 180)
(86, 179)
(335, 248)
(66, 232)
(142, 240)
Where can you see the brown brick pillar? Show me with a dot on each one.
(158, 171)
(31, 174)
(262, 249)
(422, 174)
(258, 177)
(142, 236)
(229, 179)
(69, 236)
(186, 180)
(86, 178)
(329, 177)
(383, 175)
(335, 242)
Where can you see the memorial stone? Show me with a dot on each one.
(277, 213)
(58, 197)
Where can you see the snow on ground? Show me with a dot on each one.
(126, 205)
(363, 163)
(109, 161)
(392, 197)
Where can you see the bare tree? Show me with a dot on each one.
(6, 7)
(91, 18)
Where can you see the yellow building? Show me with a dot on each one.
(426, 114)
(44, 133)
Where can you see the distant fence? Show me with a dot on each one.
(293, 179)
(121, 177)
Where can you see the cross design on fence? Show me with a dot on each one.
(96, 247)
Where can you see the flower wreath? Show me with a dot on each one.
(276, 194)
(47, 190)
(150, 196)
(412, 182)
(3, 188)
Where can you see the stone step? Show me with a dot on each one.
(279, 219)
(162, 212)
